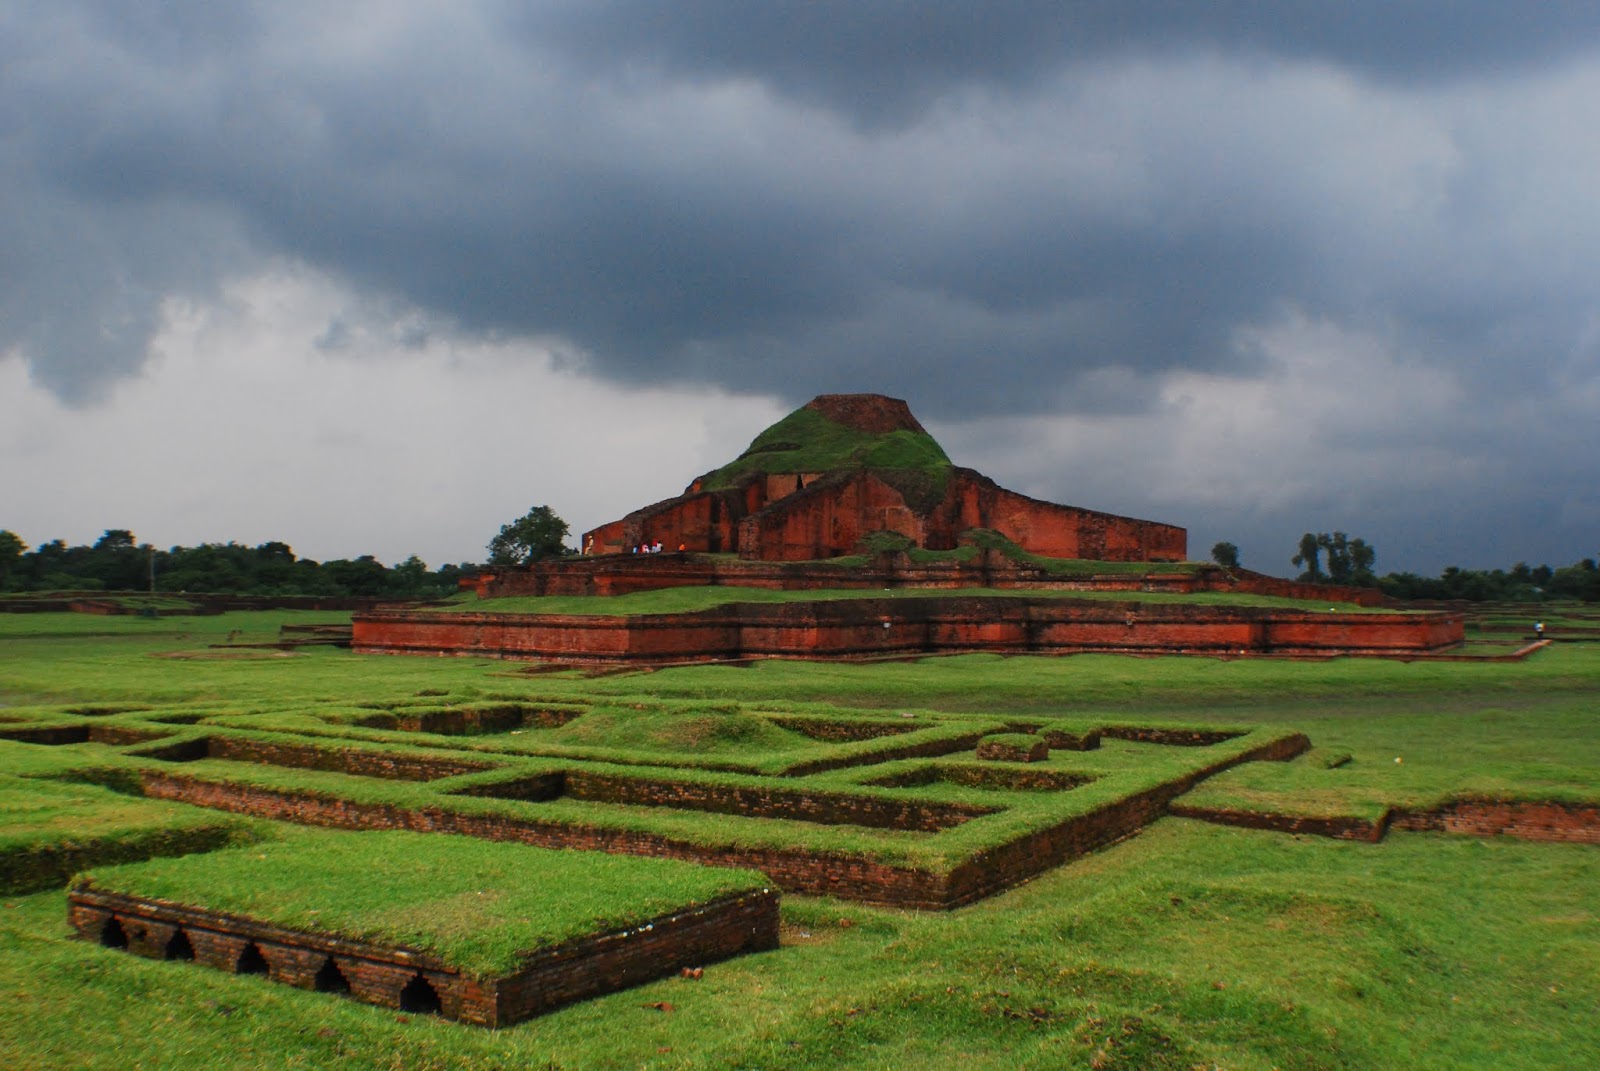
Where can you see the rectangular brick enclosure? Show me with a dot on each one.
(564, 960)
(412, 981)
(863, 831)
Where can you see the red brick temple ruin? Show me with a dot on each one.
(777, 502)
(849, 492)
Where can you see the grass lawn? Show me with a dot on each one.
(1188, 946)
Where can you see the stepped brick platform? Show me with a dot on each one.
(910, 627)
(415, 981)
(623, 574)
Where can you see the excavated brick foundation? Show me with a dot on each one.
(845, 874)
(409, 980)
(914, 627)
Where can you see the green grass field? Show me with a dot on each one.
(1187, 946)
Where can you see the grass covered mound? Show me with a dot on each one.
(702, 732)
(50, 829)
(807, 441)
(479, 906)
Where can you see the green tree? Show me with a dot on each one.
(1350, 561)
(365, 575)
(1225, 555)
(1310, 557)
(11, 550)
(116, 561)
(410, 579)
(536, 535)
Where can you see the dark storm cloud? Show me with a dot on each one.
(991, 207)
(997, 210)
(882, 62)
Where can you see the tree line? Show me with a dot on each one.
(1336, 558)
(118, 562)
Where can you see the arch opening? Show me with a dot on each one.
(330, 979)
(250, 960)
(112, 935)
(179, 947)
(419, 996)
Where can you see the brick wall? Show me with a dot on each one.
(908, 627)
(1526, 820)
(389, 765)
(797, 869)
(547, 979)
(1529, 820)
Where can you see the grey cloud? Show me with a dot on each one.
(886, 61)
(1002, 208)
(585, 180)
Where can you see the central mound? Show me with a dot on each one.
(844, 467)
(872, 414)
(841, 432)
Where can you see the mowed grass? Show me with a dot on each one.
(1189, 946)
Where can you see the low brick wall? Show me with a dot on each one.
(1527, 820)
(1339, 827)
(1570, 823)
(794, 869)
(797, 869)
(988, 872)
(390, 976)
(1006, 751)
(1007, 778)
(1165, 736)
(873, 628)
(827, 808)
(394, 766)
(774, 801)
(838, 731)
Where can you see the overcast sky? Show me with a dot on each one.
(377, 277)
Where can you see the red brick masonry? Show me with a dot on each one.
(869, 628)
(1572, 823)
(623, 574)
(395, 977)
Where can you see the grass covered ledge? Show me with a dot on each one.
(51, 829)
(482, 908)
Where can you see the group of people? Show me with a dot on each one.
(642, 548)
